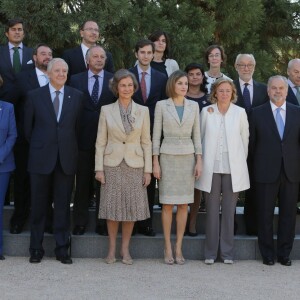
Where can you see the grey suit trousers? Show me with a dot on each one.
(215, 234)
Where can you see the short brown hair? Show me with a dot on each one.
(174, 77)
(211, 48)
(216, 84)
(13, 22)
(118, 76)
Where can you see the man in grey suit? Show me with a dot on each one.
(52, 117)
(15, 57)
(250, 94)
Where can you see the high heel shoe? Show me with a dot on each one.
(169, 260)
(110, 260)
(126, 260)
(179, 259)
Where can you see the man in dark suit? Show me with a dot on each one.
(52, 116)
(75, 57)
(152, 88)
(94, 83)
(293, 72)
(15, 57)
(25, 82)
(250, 94)
(275, 153)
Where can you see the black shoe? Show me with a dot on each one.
(268, 261)
(48, 230)
(285, 261)
(148, 231)
(2, 257)
(15, 229)
(65, 259)
(251, 232)
(36, 257)
(192, 234)
(79, 230)
(101, 230)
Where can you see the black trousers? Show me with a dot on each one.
(57, 185)
(267, 193)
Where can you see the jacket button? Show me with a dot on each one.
(124, 143)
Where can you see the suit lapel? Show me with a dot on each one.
(186, 111)
(48, 101)
(6, 57)
(288, 124)
(172, 110)
(117, 116)
(26, 56)
(66, 105)
(270, 118)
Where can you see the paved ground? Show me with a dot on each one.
(146, 279)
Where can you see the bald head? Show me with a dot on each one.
(293, 71)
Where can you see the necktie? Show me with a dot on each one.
(279, 122)
(246, 96)
(56, 103)
(95, 90)
(298, 93)
(143, 86)
(16, 60)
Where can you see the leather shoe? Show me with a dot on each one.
(48, 230)
(15, 229)
(2, 257)
(148, 231)
(101, 230)
(79, 230)
(285, 261)
(36, 257)
(268, 261)
(65, 259)
(192, 234)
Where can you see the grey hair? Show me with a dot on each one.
(55, 60)
(292, 61)
(284, 79)
(241, 54)
(87, 56)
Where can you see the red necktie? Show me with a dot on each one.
(143, 86)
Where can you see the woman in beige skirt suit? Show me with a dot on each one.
(177, 159)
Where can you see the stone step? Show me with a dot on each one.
(94, 246)
(8, 210)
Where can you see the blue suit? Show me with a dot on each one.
(8, 135)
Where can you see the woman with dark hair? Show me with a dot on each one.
(162, 61)
(176, 158)
(8, 136)
(123, 163)
(215, 58)
(197, 92)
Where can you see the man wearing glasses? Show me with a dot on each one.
(75, 57)
(250, 94)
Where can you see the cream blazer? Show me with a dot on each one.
(237, 135)
(178, 137)
(113, 144)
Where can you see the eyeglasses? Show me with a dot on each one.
(214, 55)
(250, 66)
(91, 29)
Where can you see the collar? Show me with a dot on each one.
(52, 89)
(39, 72)
(274, 107)
(148, 71)
(91, 74)
(291, 84)
(242, 82)
(11, 46)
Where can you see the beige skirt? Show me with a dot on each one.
(123, 196)
(177, 179)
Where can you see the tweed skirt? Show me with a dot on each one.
(176, 185)
(123, 196)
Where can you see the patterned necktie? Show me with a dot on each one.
(298, 93)
(16, 60)
(143, 86)
(279, 122)
(56, 103)
(95, 91)
(246, 96)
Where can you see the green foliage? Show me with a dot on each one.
(269, 29)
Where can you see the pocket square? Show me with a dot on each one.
(30, 62)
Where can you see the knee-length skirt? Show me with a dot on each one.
(123, 196)
(176, 185)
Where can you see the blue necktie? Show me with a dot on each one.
(246, 96)
(95, 90)
(279, 122)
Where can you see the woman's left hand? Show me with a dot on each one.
(198, 169)
(146, 179)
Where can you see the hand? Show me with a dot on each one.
(146, 179)
(198, 170)
(156, 171)
(100, 176)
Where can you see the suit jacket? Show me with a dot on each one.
(291, 97)
(7, 92)
(8, 135)
(76, 62)
(237, 136)
(113, 144)
(90, 114)
(268, 152)
(49, 139)
(179, 137)
(157, 91)
(260, 94)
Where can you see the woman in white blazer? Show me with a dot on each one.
(225, 137)
(176, 159)
(123, 163)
